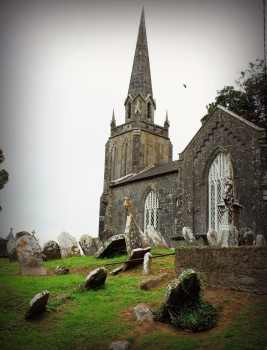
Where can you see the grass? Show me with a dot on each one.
(94, 319)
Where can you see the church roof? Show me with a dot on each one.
(153, 171)
(141, 78)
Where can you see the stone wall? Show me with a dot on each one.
(235, 268)
(166, 189)
(246, 145)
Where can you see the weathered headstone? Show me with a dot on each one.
(10, 235)
(147, 264)
(249, 237)
(260, 240)
(212, 237)
(89, 245)
(134, 237)
(30, 256)
(116, 271)
(143, 313)
(114, 246)
(21, 234)
(153, 282)
(51, 250)
(68, 245)
(155, 238)
(37, 305)
(96, 279)
(136, 258)
(11, 250)
(188, 235)
(60, 270)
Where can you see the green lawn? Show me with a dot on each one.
(94, 319)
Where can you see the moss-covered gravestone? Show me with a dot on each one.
(182, 306)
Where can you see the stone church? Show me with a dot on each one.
(167, 194)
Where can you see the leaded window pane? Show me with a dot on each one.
(151, 210)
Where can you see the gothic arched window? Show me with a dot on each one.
(124, 159)
(113, 163)
(151, 210)
(220, 170)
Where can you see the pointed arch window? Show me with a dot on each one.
(124, 158)
(220, 169)
(113, 163)
(149, 110)
(151, 214)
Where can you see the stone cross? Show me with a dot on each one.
(127, 205)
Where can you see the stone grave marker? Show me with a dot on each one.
(11, 250)
(136, 258)
(21, 234)
(68, 245)
(89, 245)
(51, 251)
(30, 256)
(134, 237)
(96, 279)
(114, 246)
(37, 305)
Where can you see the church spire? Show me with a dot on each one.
(141, 79)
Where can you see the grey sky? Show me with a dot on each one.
(66, 64)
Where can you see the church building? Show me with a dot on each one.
(167, 194)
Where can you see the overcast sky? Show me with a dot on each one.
(64, 66)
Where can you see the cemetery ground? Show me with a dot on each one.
(79, 319)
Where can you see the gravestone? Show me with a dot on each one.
(212, 237)
(147, 264)
(153, 282)
(3, 248)
(60, 270)
(260, 240)
(10, 235)
(37, 305)
(96, 279)
(68, 245)
(134, 237)
(188, 235)
(143, 313)
(11, 250)
(30, 256)
(249, 237)
(51, 250)
(21, 234)
(155, 238)
(136, 258)
(114, 246)
(89, 245)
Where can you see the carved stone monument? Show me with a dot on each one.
(30, 256)
(68, 245)
(89, 245)
(134, 237)
(11, 250)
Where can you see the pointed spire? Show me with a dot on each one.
(113, 120)
(166, 123)
(141, 79)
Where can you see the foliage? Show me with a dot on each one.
(3, 173)
(250, 101)
(184, 309)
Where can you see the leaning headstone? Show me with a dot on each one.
(134, 237)
(260, 240)
(120, 345)
(153, 282)
(51, 250)
(10, 235)
(143, 313)
(155, 238)
(96, 279)
(30, 256)
(37, 305)
(116, 271)
(188, 235)
(68, 245)
(212, 237)
(60, 270)
(89, 245)
(11, 250)
(147, 264)
(136, 258)
(114, 246)
(249, 237)
(21, 234)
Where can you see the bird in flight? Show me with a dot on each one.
(184, 85)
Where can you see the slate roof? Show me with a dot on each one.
(154, 171)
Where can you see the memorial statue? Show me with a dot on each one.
(127, 205)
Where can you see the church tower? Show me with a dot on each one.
(138, 143)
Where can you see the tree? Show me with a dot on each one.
(250, 101)
(3, 173)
